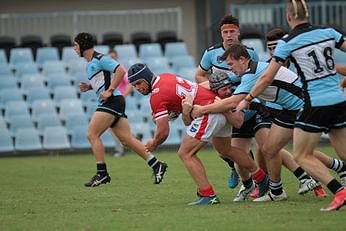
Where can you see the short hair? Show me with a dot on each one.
(236, 51)
(229, 19)
(275, 34)
(298, 9)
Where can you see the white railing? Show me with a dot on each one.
(97, 22)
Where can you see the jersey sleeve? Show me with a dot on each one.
(158, 107)
(109, 64)
(205, 63)
(281, 52)
(339, 38)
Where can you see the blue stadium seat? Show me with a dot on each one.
(40, 107)
(3, 123)
(149, 50)
(17, 107)
(17, 122)
(75, 119)
(90, 108)
(103, 49)
(64, 92)
(27, 139)
(50, 67)
(55, 138)
(45, 54)
(141, 131)
(47, 120)
(126, 51)
(68, 106)
(179, 62)
(31, 80)
(5, 70)
(69, 55)
(78, 137)
(55, 80)
(3, 58)
(128, 62)
(6, 143)
(77, 66)
(7, 95)
(22, 69)
(37, 93)
(187, 73)
(21, 55)
(157, 62)
(175, 49)
(8, 82)
(108, 140)
(88, 96)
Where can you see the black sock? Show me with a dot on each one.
(248, 183)
(334, 186)
(301, 174)
(101, 168)
(275, 187)
(229, 162)
(153, 162)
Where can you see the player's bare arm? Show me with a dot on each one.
(161, 134)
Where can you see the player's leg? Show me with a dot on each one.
(188, 155)
(122, 130)
(99, 122)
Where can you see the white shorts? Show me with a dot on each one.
(211, 125)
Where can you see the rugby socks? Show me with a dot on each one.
(229, 162)
(248, 183)
(206, 192)
(101, 169)
(152, 161)
(334, 186)
(259, 176)
(339, 167)
(275, 187)
(301, 174)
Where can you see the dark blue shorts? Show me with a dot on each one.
(251, 126)
(114, 105)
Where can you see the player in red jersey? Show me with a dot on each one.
(171, 96)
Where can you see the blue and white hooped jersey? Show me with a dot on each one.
(285, 90)
(100, 71)
(310, 48)
(211, 61)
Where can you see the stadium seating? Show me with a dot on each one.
(75, 119)
(55, 138)
(175, 49)
(166, 36)
(25, 69)
(37, 93)
(3, 58)
(140, 37)
(60, 41)
(31, 41)
(21, 55)
(6, 143)
(55, 80)
(108, 140)
(17, 122)
(179, 62)
(255, 43)
(78, 137)
(47, 120)
(45, 54)
(30, 81)
(68, 106)
(64, 92)
(7, 43)
(68, 55)
(42, 106)
(7, 95)
(103, 49)
(13, 108)
(50, 67)
(8, 83)
(158, 62)
(149, 50)
(126, 51)
(27, 139)
(112, 38)
(5, 70)
(187, 73)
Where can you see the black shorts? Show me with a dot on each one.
(114, 105)
(286, 118)
(322, 119)
(251, 126)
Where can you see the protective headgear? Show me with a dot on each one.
(85, 42)
(219, 80)
(140, 71)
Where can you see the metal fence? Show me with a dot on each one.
(97, 22)
(266, 16)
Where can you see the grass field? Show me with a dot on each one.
(47, 193)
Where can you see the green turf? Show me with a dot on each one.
(47, 193)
